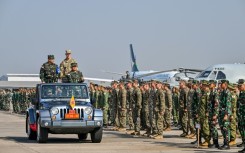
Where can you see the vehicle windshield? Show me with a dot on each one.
(204, 74)
(64, 91)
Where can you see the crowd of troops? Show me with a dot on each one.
(155, 107)
(16, 100)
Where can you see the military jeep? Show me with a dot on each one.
(63, 108)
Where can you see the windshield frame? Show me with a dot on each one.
(66, 91)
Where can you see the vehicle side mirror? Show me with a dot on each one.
(34, 101)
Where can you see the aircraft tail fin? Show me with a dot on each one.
(133, 60)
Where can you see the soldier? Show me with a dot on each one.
(225, 113)
(203, 113)
(175, 111)
(104, 105)
(65, 65)
(168, 106)
(190, 123)
(130, 102)
(146, 108)
(159, 108)
(91, 92)
(183, 107)
(233, 117)
(49, 71)
(122, 110)
(213, 109)
(96, 96)
(75, 76)
(136, 108)
(115, 102)
(194, 106)
(241, 112)
(152, 114)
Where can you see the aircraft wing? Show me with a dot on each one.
(153, 73)
(97, 79)
(117, 73)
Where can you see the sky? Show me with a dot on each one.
(165, 34)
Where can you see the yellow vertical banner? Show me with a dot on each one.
(72, 102)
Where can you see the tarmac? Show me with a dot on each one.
(13, 139)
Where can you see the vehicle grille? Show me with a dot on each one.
(64, 111)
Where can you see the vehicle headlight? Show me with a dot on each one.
(54, 111)
(88, 110)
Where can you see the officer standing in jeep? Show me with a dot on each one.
(49, 71)
(65, 65)
(75, 76)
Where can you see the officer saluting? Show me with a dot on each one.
(49, 71)
(75, 76)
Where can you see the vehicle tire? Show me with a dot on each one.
(32, 135)
(42, 133)
(96, 135)
(82, 136)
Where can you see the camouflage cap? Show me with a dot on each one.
(241, 81)
(114, 82)
(212, 81)
(204, 82)
(73, 64)
(232, 86)
(68, 51)
(135, 81)
(129, 81)
(50, 56)
(224, 81)
(195, 82)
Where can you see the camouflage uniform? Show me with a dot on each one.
(225, 109)
(105, 106)
(233, 122)
(152, 113)
(182, 107)
(159, 107)
(213, 109)
(122, 107)
(49, 71)
(65, 65)
(130, 102)
(203, 115)
(194, 108)
(190, 123)
(175, 111)
(114, 96)
(241, 113)
(168, 108)
(137, 108)
(145, 110)
(75, 77)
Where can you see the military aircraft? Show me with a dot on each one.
(231, 72)
(170, 76)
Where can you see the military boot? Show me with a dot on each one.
(226, 146)
(205, 143)
(215, 144)
(183, 135)
(232, 142)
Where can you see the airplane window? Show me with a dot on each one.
(204, 74)
(213, 75)
(221, 75)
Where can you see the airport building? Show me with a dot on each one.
(19, 80)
